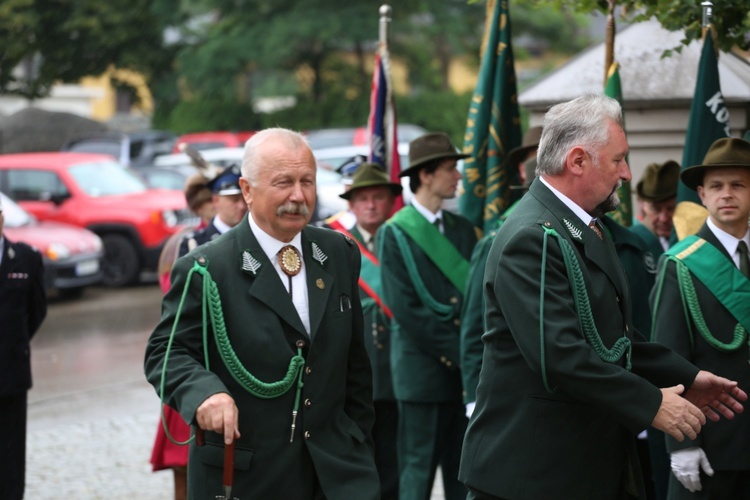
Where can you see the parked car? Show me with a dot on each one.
(213, 140)
(72, 255)
(356, 136)
(94, 192)
(328, 180)
(133, 149)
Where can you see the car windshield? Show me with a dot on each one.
(15, 216)
(106, 179)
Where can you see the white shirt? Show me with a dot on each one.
(271, 246)
(220, 225)
(2, 248)
(431, 218)
(581, 213)
(729, 242)
(368, 238)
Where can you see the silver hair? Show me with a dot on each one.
(580, 122)
(252, 161)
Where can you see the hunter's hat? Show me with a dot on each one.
(369, 175)
(432, 146)
(529, 142)
(727, 152)
(659, 182)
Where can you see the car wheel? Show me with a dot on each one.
(120, 265)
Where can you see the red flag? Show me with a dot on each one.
(381, 125)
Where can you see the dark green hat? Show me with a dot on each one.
(659, 182)
(529, 167)
(432, 146)
(368, 175)
(727, 152)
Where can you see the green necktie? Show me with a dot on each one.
(744, 262)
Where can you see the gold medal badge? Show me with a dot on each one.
(290, 261)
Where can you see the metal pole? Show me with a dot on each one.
(609, 37)
(707, 14)
(385, 18)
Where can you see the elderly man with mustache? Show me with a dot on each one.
(566, 381)
(261, 343)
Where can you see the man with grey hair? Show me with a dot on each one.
(566, 381)
(282, 374)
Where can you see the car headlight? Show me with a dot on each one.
(57, 251)
(170, 218)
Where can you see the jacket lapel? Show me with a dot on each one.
(601, 253)
(319, 281)
(265, 284)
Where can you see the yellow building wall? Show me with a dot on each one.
(105, 107)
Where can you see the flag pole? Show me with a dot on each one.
(385, 18)
(707, 14)
(609, 48)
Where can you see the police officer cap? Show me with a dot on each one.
(227, 182)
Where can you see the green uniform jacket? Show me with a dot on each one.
(578, 441)
(652, 241)
(639, 264)
(333, 426)
(725, 442)
(378, 343)
(424, 350)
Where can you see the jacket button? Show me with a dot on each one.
(307, 434)
(443, 359)
(454, 300)
(308, 370)
(457, 322)
(308, 403)
(380, 347)
(448, 363)
(300, 343)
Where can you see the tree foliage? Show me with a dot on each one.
(65, 40)
(731, 18)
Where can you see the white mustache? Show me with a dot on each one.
(294, 209)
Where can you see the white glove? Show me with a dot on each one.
(470, 408)
(686, 465)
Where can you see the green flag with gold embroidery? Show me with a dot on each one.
(613, 88)
(493, 127)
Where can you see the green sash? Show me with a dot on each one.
(717, 273)
(434, 244)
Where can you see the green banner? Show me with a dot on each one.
(624, 213)
(709, 117)
(493, 128)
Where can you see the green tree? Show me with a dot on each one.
(731, 18)
(64, 40)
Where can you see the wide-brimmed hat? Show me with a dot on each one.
(529, 167)
(659, 182)
(727, 152)
(369, 175)
(529, 142)
(432, 146)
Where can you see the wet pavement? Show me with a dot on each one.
(92, 416)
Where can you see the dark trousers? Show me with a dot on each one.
(12, 446)
(723, 485)
(385, 435)
(430, 434)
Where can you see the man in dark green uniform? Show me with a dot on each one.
(701, 311)
(472, 316)
(424, 256)
(657, 196)
(371, 197)
(282, 369)
(566, 380)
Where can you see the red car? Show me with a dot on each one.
(212, 140)
(95, 192)
(72, 256)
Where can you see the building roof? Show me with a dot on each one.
(645, 76)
